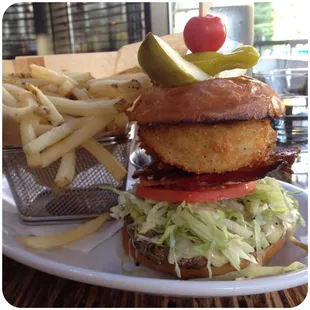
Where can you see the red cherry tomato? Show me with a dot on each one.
(204, 34)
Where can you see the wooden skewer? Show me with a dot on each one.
(204, 8)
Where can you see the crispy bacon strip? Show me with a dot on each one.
(157, 168)
(279, 160)
(287, 155)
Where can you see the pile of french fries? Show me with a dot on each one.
(59, 112)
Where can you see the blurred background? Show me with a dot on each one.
(72, 27)
(278, 29)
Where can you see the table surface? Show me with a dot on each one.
(26, 287)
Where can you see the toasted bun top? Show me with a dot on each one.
(267, 255)
(213, 101)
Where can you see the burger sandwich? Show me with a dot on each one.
(205, 206)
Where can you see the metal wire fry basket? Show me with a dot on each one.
(37, 198)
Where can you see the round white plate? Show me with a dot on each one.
(103, 265)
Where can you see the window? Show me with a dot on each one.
(280, 28)
(74, 27)
(18, 31)
(93, 27)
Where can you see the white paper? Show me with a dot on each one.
(14, 227)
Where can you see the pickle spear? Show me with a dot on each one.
(212, 63)
(165, 66)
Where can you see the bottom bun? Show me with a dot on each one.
(267, 254)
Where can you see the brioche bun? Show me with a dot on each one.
(212, 101)
(268, 253)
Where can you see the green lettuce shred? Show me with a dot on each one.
(260, 271)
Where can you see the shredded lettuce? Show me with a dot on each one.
(148, 239)
(224, 231)
(172, 258)
(254, 272)
(117, 212)
(264, 241)
(238, 250)
(203, 248)
(258, 238)
(213, 219)
(231, 205)
(185, 248)
(210, 253)
(206, 230)
(168, 232)
(271, 193)
(237, 228)
(273, 231)
(154, 217)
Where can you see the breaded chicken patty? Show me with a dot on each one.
(201, 148)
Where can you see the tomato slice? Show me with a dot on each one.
(198, 195)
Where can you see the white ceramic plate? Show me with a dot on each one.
(102, 266)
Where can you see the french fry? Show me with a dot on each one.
(43, 120)
(50, 87)
(28, 134)
(19, 75)
(65, 88)
(8, 99)
(53, 136)
(298, 243)
(106, 159)
(35, 122)
(68, 117)
(67, 237)
(15, 82)
(40, 129)
(42, 110)
(21, 82)
(121, 120)
(54, 116)
(66, 170)
(73, 73)
(80, 77)
(49, 93)
(33, 81)
(26, 78)
(83, 108)
(15, 90)
(26, 99)
(80, 93)
(125, 76)
(95, 99)
(78, 137)
(18, 114)
(50, 75)
(110, 88)
(118, 85)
